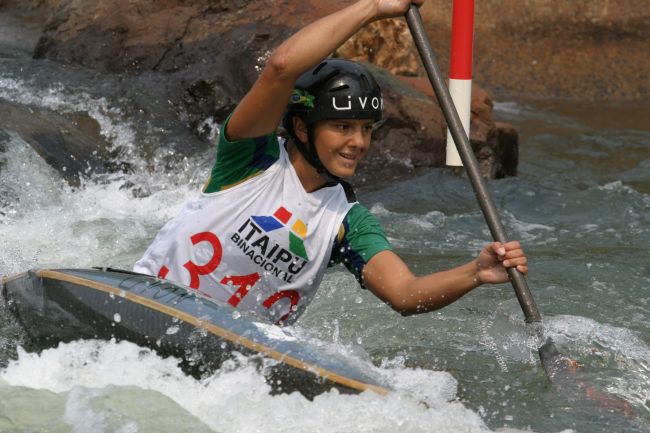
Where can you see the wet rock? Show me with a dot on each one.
(71, 144)
(579, 49)
(495, 144)
(210, 53)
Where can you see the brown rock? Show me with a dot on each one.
(580, 49)
(411, 133)
(212, 51)
(385, 43)
(495, 144)
(48, 133)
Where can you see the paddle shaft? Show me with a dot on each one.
(467, 156)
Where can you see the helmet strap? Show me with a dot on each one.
(309, 152)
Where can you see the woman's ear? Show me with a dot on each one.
(300, 129)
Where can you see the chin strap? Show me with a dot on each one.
(308, 151)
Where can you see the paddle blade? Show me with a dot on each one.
(565, 374)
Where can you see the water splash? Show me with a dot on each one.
(601, 346)
(101, 380)
(114, 125)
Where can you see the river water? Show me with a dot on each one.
(580, 205)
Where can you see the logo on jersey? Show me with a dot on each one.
(281, 260)
(281, 218)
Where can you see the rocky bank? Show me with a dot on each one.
(207, 53)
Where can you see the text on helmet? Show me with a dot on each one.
(376, 102)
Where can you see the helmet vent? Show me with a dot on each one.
(339, 88)
(366, 83)
(318, 68)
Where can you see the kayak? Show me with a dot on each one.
(62, 305)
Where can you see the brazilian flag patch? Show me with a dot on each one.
(303, 97)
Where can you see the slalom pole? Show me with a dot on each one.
(460, 71)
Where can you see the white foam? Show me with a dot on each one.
(620, 345)
(236, 398)
(113, 125)
(623, 341)
(528, 232)
(510, 108)
(275, 332)
(51, 224)
(617, 186)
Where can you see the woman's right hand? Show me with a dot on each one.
(394, 8)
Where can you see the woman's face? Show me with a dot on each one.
(341, 144)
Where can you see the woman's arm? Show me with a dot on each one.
(388, 277)
(261, 110)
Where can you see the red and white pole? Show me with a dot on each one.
(460, 71)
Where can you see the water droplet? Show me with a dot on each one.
(117, 318)
(358, 300)
(172, 330)
(236, 314)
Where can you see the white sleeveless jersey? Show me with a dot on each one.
(261, 246)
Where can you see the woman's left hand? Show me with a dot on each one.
(492, 262)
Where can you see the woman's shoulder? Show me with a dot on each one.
(239, 160)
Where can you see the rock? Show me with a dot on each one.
(410, 136)
(74, 152)
(386, 43)
(579, 49)
(211, 51)
(495, 144)
(21, 28)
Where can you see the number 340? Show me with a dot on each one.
(244, 283)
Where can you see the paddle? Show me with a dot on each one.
(548, 352)
(560, 369)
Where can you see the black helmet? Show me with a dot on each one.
(335, 89)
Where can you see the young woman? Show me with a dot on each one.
(275, 214)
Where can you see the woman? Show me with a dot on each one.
(274, 214)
